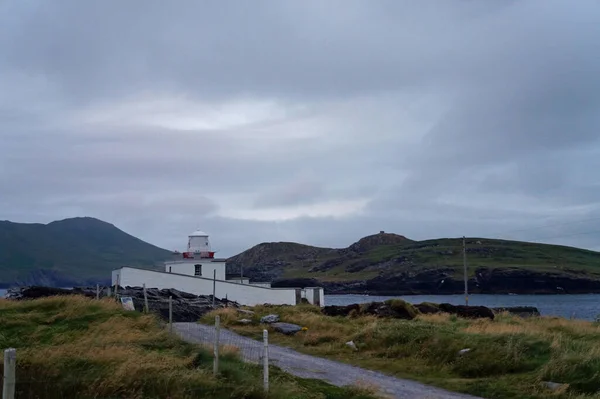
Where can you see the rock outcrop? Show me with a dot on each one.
(390, 264)
(399, 309)
(393, 308)
(186, 307)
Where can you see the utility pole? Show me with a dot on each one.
(465, 271)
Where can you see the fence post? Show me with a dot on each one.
(170, 314)
(145, 299)
(97, 291)
(216, 348)
(266, 360)
(214, 286)
(10, 373)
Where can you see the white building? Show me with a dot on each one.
(197, 271)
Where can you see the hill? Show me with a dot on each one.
(392, 264)
(69, 252)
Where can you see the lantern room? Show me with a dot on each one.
(199, 245)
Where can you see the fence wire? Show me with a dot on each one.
(222, 347)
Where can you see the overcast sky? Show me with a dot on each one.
(311, 121)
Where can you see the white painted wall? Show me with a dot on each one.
(180, 267)
(242, 293)
(198, 244)
(266, 285)
(187, 267)
(208, 269)
(309, 294)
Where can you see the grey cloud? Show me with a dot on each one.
(448, 118)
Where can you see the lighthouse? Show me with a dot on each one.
(199, 245)
(195, 270)
(198, 259)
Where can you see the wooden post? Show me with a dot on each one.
(216, 348)
(146, 310)
(10, 373)
(170, 314)
(465, 271)
(214, 286)
(97, 291)
(266, 360)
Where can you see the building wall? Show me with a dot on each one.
(312, 293)
(242, 293)
(265, 285)
(188, 268)
(198, 243)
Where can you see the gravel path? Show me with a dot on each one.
(306, 366)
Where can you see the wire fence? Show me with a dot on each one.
(182, 318)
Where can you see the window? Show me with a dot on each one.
(197, 270)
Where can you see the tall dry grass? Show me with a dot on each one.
(507, 357)
(75, 347)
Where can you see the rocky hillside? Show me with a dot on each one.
(392, 264)
(69, 252)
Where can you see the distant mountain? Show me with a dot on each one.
(392, 264)
(69, 252)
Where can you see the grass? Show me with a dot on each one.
(509, 357)
(74, 347)
(447, 252)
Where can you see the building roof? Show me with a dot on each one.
(198, 233)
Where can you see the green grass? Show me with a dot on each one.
(70, 252)
(447, 252)
(74, 347)
(509, 357)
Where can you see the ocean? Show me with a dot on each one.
(585, 307)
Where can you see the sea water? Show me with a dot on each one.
(585, 307)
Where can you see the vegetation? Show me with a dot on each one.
(508, 357)
(389, 257)
(69, 252)
(84, 251)
(74, 347)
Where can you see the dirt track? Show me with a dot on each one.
(307, 366)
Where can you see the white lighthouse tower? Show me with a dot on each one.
(198, 260)
(199, 244)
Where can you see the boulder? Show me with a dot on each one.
(428, 308)
(286, 328)
(269, 319)
(393, 308)
(334, 310)
(468, 312)
(464, 351)
(398, 309)
(245, 321)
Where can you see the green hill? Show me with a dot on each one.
(392, 264)
(69, 252)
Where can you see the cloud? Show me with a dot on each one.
(311, 121)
